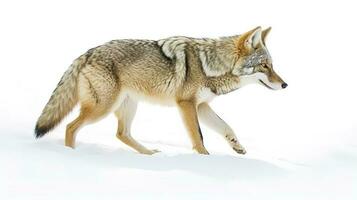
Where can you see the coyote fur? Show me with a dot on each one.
(181, 71)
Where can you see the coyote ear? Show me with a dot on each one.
(251, 39)
(254, 38)
(265, 33)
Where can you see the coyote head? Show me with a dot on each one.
(254, 63)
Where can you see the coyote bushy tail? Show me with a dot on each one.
(62, 100)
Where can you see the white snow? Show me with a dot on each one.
(45, 169)
(301, 141)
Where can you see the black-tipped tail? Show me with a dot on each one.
(41, 130)
(63, 98)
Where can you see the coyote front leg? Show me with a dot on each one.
(213, 121)
(189, 115)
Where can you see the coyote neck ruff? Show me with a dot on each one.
(181, 71)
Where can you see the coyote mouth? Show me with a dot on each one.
(265, 84)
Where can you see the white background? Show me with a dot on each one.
(301, 141)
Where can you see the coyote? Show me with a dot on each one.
(181, 71)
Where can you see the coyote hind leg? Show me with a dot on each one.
(125, 114)
(72, 128)
(97, 96)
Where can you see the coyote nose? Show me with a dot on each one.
(284, 85)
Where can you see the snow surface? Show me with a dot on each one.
(301, 141)
(45, 169)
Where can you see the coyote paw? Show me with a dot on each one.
(202, 151)
(150, 152)
(239, 149)
(205, 152)
(69, 145)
